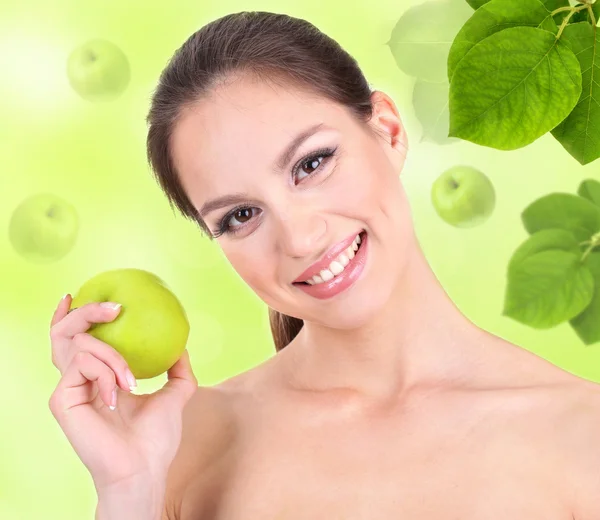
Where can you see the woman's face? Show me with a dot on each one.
(340, 180)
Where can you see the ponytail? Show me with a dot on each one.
(283, 328)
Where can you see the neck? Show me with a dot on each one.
(419, 339)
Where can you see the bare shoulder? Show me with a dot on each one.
(577, 437)
(208, 438)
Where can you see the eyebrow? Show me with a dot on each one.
(283, 159)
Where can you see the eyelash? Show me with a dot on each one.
(223, 227)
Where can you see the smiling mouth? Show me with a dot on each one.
(362, 235)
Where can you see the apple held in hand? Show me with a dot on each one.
(463, 196)
(43, 228)
(98, 70)
(151, 329)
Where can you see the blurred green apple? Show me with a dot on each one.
(43, 228)
(151, 329)
(463, 196)
(98, 70)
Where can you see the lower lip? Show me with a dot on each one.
(344, 280)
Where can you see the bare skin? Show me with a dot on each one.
(518, 440)
(389, 403)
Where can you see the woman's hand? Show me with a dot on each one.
(142, 434)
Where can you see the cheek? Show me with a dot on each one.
(377, 185)
(253, 268)
(383, 201)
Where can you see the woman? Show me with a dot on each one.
(383, 400)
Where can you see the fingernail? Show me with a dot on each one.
(64, 296)
(111, 305)
(113, 399)
(130, 379)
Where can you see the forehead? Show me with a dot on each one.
(239, 127)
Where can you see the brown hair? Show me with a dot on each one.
(270, 46)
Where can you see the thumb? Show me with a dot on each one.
(182, 382)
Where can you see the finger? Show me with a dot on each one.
(73, 388)
(109, 356)
(61, 309)
(181, 379)
(82, 318)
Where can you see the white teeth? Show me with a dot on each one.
(326, 274)
(343, 259)
(337, 266)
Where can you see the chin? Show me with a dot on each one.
(352, 314)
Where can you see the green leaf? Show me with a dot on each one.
(579, 133)
(495, 16)
(513, 87)
(590, 190)
(587, 324)
(430, 101)
(549, 24)
(421, 38)
(544, 240)
(476, 4)
(548, 288)
(563, 211)
(551, 5)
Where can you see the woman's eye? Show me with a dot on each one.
(242, 215)
(309, 167)
(313, 163)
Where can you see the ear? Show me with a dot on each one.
(386, 121)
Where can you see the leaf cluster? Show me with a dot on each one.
(519, 69)
(554, 275)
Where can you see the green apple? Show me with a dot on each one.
(463, 196)
(98, 70)
(43, 228)
(151, 329)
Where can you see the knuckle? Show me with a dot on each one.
(52, 405)
(54, 333)
(79, 338)
(92, 308)
(115, 361)
(123, 364)
(119, 359)
(108, 378)
(80, 356)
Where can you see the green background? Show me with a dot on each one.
(93, 154)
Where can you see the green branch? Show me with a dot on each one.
(594, 242)
(572, 11)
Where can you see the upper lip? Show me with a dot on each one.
(329, 257)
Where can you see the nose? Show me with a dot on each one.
(302, 231)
